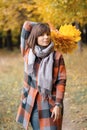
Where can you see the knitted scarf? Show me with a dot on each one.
(45, 68)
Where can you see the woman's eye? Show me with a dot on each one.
(42, 35)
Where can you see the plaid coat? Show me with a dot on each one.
(30, 94)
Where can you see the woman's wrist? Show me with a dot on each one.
(59, 105)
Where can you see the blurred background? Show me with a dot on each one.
(58, 12)
(13, 14)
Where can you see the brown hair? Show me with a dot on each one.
(37, 30)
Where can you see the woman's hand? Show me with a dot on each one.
(56, 113)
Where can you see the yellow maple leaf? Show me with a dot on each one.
(66, 38)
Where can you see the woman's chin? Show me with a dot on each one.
(46, 44)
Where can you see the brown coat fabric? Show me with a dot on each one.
(30, 92)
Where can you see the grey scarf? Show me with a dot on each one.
(45, 68)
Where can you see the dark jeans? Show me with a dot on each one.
(34, 118)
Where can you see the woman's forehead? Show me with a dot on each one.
(43, 32)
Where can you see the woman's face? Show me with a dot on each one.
(44, 39)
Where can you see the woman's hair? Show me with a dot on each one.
(37, 30)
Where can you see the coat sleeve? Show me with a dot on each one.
(61, 80)
(26, 29)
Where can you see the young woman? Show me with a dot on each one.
(44, 80)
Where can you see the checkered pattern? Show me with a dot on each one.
(30, 94)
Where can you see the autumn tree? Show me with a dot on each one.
(62, 11)
(13, 13)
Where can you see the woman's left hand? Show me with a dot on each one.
(56, 113)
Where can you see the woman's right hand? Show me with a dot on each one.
(56, 113)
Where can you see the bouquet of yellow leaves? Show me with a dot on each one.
(65, 39)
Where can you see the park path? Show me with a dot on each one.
(67, 123)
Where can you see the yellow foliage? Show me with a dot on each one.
(66, 38)
(70, 31)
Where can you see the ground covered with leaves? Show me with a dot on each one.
(11, 80)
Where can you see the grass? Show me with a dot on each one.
(11, 80)
(76, 90)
